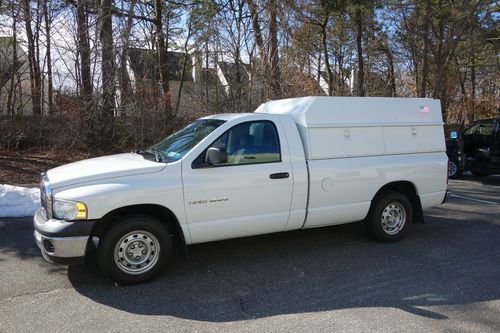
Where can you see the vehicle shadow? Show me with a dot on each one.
(16, 238)
(443, 262)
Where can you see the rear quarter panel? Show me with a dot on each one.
(341, 190)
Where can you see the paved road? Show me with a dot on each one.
(444, 276)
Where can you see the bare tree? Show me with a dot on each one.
(50, 89)
(161, 49)
(83, 50)
(11, 98)
(107, 69)
(33, 60)
(425, 51)
(274, 65)
(184, 63)
(123, 77)
(358, 18)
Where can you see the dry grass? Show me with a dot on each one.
(25, 167)
(31, 145)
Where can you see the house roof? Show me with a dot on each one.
(143, 63)
(231, 71)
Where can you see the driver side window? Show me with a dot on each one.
(480, 134)
(250, 143)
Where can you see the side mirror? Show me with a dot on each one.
(215, 156)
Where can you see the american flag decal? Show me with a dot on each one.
(424, 108)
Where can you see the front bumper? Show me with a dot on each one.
(62, 242)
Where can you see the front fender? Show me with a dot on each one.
(162, 188)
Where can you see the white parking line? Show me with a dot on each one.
(468, 182)
(474, 199)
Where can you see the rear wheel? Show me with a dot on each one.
(390, 216)
(135, 250)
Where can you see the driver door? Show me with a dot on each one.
(478, 142)
(246, 195)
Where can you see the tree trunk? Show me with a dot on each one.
(325, 55)
(256, 28)
(318, 68)
(439, 81)
(161, 45)
(273, 50)
(261, 64)
(123, 74)
(463, 91)
(35, 76)
(359, 35)
(183, 73)
(340, 81)
(36, 38)
(425, 55)
(207, 76)
(259, 41)
(472, 50)
(390, 69)
(472, 110)
(237, 53)
(84, 51)
(11, 98)
(107, 71)
(50, 92)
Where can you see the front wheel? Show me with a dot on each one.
(390, 216)
(135, 250)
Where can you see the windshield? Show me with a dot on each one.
(176, 145)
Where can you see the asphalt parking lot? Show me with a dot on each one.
(445, 275)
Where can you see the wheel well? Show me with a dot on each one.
(163, 214)
(409, 190)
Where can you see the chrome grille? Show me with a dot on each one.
(46, 195)
(43, 195)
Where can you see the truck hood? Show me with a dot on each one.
(101, 168)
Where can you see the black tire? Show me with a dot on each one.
(391, 207)
(454, 170)
(142, 237)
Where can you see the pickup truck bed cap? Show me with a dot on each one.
(338, 127)
(325, 111)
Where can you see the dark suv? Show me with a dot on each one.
(477, 149)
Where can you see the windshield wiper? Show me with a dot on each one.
(156, 152)
(152, 152)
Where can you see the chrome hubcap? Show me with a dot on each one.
(393, 218)
(137, 252)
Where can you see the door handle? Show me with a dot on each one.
(279, 175)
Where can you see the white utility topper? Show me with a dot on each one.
(292, 164)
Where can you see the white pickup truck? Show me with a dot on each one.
(292, 164)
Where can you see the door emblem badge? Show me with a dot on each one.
(207, 201)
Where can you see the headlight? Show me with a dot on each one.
(69, 210)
